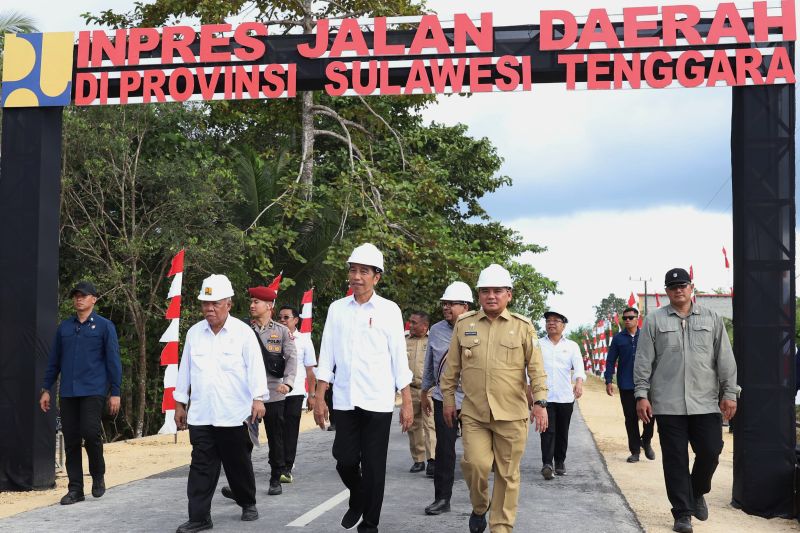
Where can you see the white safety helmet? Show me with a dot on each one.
(494, 276)
(215, 287)
(367, 254)
(458, 291)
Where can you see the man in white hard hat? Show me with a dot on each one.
(222, 373)
(364, 340)
(490, 352)
(456, 301)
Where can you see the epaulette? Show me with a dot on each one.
(522, 317)
(467, 315)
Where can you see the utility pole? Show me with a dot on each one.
(645, 290)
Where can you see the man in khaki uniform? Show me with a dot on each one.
(422, 434)
(490, 351)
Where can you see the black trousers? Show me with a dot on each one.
(329, 403)
(676, 432)
(635, 440)
(291, 429)
(80, 421)
(273, 423)
(444, 474)
(212, 447)
(362, 438)
(556, 438)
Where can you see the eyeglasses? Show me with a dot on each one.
(285, 317)
(553, 321)
(678, 287)
(451, 304)
(629, 317)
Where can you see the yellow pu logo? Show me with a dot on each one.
(37, 69)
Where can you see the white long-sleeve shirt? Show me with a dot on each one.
(560, 361)
(306, 357)
(222, 374)
(367, 345)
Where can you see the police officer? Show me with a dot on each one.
(422, 433)
(490, 351)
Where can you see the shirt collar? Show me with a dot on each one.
(90, 318)
(506, 314)
(223, 328)
(371, 302)
(562, 339)
(692, 311)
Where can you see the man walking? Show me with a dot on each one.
(622, 353)
(275, 340)
(364, 340)
(222, 374)
(422, 433)
(490, 351)
(455, 301)
(85, 353)
(685, 365)
(563, 364)
(306, 361)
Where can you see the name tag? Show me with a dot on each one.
(471, 333)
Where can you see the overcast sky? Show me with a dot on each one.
(616, 184)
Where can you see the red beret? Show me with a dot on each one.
(264, 294)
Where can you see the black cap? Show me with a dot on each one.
(556, 314)
(676, 276)
(84, 287)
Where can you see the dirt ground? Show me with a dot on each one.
(642, 483)
(125, 462)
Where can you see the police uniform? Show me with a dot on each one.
(422, 433)
(491, 358)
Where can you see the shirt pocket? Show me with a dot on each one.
(703, 341)
(510, 354)
(669, 338)
(472, 352)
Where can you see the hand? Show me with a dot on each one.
(310, 403)
(539, 418)
(610, 389)
(578, 388)
(320, 414)
(257, 412)
(180, 416)
(44, 401)
(728, 408)
(406, 416)
(425, 403)
(113, 405)
(283, 388)
(450, 416)
(644, 410)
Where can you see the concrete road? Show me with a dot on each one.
(585, 500)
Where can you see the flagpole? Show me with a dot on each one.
(645, 290)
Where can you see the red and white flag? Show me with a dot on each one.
(725, 255)
(305, 311)
(276, 283)
(658, 301)
(632, 300)
(171, 338)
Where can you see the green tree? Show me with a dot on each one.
(608, 306)
(13, 22)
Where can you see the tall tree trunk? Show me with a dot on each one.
(307, 118)
(141, 379)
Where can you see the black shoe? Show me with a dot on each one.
(438, 507)
(649, 452)
(71, 497)
(249, 513)
(633, 458)
(560, 470)
(227, 492)
(275, 487)
(193, 527)
(98, 487)
(417, 467)
(431, 468)
(547, 472)
(351, 518)
(700, 509)
(477, 522)
(332, 427)
(683, 524)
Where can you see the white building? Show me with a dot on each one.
(721, 303)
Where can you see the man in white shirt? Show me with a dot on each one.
(307, 357)
(364, 340)
(222, 374)
(562, 363)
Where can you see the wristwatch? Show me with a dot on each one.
(541, 403)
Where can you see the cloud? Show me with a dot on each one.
(594, 253)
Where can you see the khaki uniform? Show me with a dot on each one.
(491, 358)
(422, 433)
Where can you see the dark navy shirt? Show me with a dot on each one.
(87, 357)
(622, 351)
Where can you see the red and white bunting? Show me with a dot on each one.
(171, 338)
(276, 283)
(305, 311)
(632, 300)
(658, 301)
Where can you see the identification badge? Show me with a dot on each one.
(471, 333)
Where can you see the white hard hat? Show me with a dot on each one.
(458, 291)
(367, 254)
(215, 287)
(494, 276)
